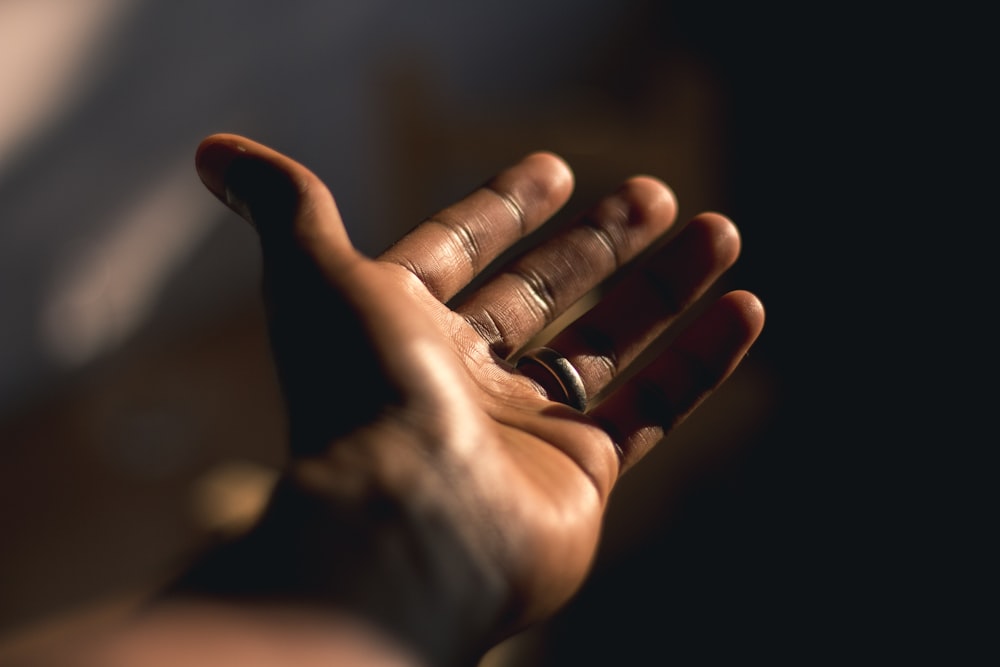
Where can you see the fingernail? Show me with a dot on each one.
(253, 183)
(215, 162)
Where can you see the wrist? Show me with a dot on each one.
(401, 567)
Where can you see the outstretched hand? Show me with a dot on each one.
(427, 473)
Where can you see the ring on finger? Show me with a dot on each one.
(558, 374)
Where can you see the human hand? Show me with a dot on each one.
(426, 472)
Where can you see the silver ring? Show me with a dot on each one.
(561, 376)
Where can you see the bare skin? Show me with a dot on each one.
(436, 500)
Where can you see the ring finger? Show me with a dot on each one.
(605, 341)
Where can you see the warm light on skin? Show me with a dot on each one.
(200, 633)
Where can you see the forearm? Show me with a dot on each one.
(202, 633)
(324, 583)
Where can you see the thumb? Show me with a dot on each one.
(307, 258)
(285, 202)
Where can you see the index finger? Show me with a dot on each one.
(453, 246)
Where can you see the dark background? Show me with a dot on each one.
(795, 518)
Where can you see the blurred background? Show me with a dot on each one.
(139, 414)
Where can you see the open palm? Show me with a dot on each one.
(401, 382)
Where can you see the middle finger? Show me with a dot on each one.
(533, 290)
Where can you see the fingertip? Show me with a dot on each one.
(263, 186)
(655, 185)
(213, 158)
(651, 196)
(750, 309)
(226, 138)
(536, 186)
(753, 304)
(555, 168)
(723, 231)
(715, 215)
(551, 157)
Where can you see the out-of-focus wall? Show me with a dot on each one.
(104, 103)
